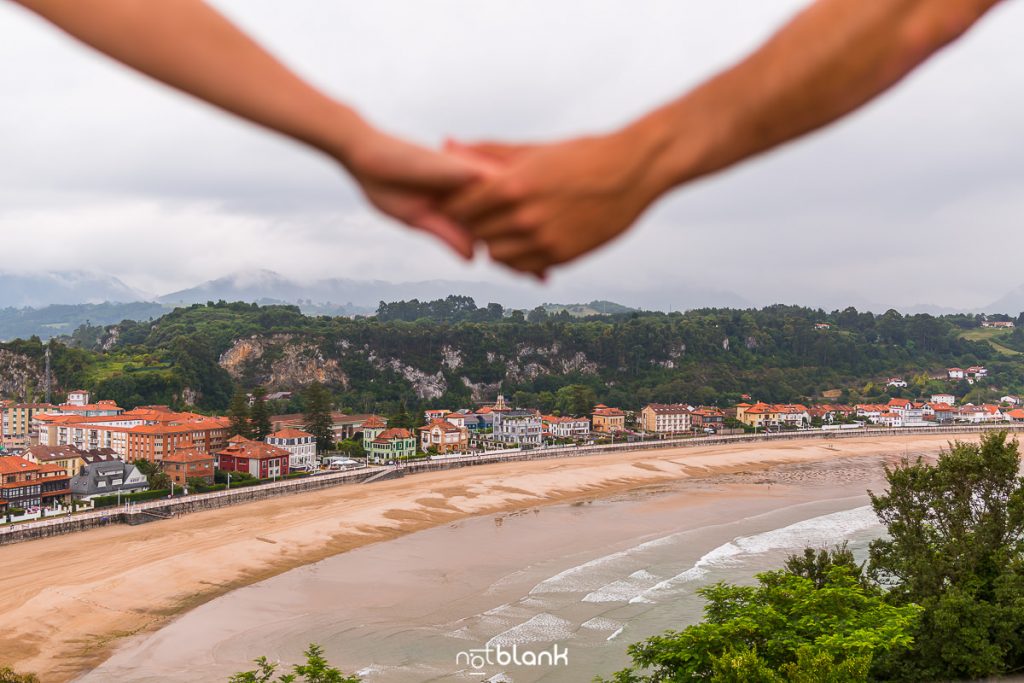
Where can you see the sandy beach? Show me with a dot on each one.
(69, 601)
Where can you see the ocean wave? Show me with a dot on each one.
(622, 589)
(540, 628)
(817, 531)
(579, 578)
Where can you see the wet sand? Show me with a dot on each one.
(69, 601)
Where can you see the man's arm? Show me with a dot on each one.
(553, 203)
(190, 46)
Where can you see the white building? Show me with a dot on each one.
(1012, 400)
(567, 427)
(898, 382)
(78, 397)
(518, 427)
(956, 373)
(890, 419)
(948, 399)
(666, 418)
(301, 445)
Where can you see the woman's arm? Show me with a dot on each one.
(552, 203)
(190, 46)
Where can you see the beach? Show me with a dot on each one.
(70, 601)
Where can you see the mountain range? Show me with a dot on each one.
(44, 302)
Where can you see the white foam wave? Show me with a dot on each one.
(541, 628)
(622, 589)
(601, 624)
(817, 531)
(579, 578)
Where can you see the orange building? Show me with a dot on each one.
(188, 463)
(608, 420)
(25, 484)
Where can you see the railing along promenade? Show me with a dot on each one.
(139, 513)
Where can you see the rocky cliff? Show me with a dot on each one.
(18, 374)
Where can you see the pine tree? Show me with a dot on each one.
(319, 421)
(238, 412)
(259, 415)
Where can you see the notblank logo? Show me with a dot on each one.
(496, 655)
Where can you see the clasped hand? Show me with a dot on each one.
(533, 206)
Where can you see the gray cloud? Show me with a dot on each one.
(897, 205)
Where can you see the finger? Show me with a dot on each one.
(494, 151)
(449, 232)
(531, 262)
(498, 225)
(477, 201)
(442, 172)
(487, 165)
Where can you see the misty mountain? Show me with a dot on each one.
(1011, 303)
(40, 289)
(63, 319)
(363, 296)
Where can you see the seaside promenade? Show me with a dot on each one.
(156, 510)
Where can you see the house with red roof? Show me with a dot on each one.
(188, 463)
(254, 457)
(395, 443)
(608, 420)
(443, 437)
(25, 484)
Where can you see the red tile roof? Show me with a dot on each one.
(289, 433)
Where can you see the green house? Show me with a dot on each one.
(390, 444)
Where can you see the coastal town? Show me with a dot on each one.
(79, 454)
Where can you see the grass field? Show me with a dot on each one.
(992, 336)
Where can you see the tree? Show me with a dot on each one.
(319, 421)
(159, 481)
(8, 675)
(955, 546)
(575, 399)
(316, 670)
(238, 412)
(259, 416)
(784, 629)
(401, 419)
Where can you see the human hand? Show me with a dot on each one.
(410, 183)
(541, 205)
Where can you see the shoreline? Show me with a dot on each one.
(68, 615)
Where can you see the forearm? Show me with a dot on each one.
(189, 46)
(830, 60)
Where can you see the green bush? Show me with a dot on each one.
(110, 501)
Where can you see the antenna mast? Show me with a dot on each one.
(47, 378)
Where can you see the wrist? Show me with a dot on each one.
(341, 133)
(675, 148)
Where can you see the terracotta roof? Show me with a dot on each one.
(12, 464)
(374, 422)
(253, 449)
(443, 424)
(669, 408)
(49, 468)
(392, 434)
(290, 433)
(47, 453)
(187, 455)
(605, 411)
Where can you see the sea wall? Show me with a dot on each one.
(153, 511)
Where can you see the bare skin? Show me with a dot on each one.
(551, 203)
(189, 46)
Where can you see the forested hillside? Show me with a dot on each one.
(452, 353)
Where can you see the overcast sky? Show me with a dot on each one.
(918, 198)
